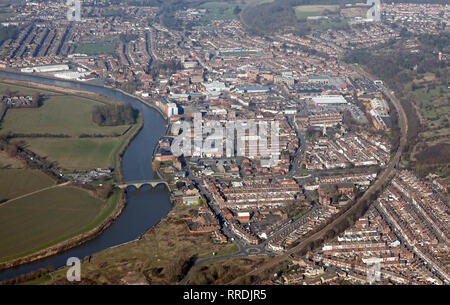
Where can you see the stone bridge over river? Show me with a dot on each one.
(138, 184)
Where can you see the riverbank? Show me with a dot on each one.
(124, 147)
(70, 243)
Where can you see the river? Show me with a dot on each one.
(144, 208)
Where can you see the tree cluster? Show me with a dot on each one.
(114, 115)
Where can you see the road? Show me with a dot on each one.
(375, 187)
(35, 192)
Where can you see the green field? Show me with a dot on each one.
(96, 48)
(158, 249)
(304, 11)
(79, 153)
(74, 153)
(228, 250)
(69, 115)
(38, 221)
(17, 182)
(324, 25)
(435, 109)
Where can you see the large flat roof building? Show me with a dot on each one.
(329, 100)
(50, 68)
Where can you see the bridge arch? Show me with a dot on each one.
(139, 184)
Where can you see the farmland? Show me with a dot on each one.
(13, 89)
(51, 216)
(17, 182)
(69, 116)
(35, 213)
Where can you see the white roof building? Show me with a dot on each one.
(329, 100)
(50, 68)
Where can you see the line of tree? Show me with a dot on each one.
(86, 135)
(38, 135)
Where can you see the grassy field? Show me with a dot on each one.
(19, 90)
(68, 115)
(353, 12)
(303, 11)
(46, 218)
(96, 48)
(17, 182)
(324, 25)
(74, 153)
(79, 153)
(219, 272)
(158, 250)
(225, 251)
(434, 107)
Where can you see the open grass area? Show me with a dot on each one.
(38, 221)
(69, 115)
(151, 256)
(303, 11)
(230, 249)
(324, 25)
(79, 153)
(19, 90)
(18, 182)
(432, 96)
(219, 10)
(96, 48)
(74, 153)
(219, 272)
(434, 107)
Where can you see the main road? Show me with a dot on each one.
(374, 188)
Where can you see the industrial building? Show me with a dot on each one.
(44, 69)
